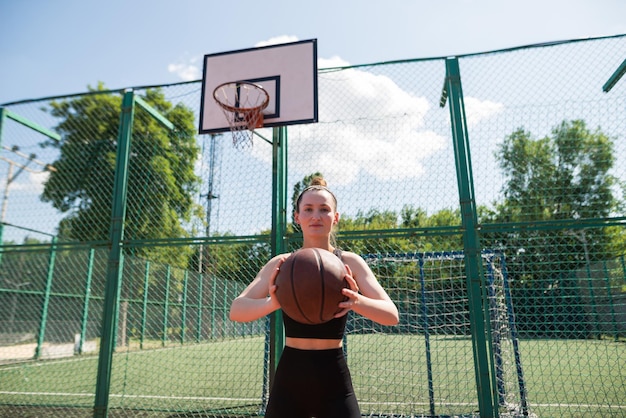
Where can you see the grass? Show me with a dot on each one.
(573, 378)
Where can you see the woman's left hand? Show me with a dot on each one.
(351, 293)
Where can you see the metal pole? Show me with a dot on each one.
(46, 299)
(4, 114)
(166, 305)
(183, 320)
(85, 317)
(199, 313)
(5, 200)
(471, 242)
(144, 306)
(279, 230)
(114, 266)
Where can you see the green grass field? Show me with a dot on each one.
(570, 378)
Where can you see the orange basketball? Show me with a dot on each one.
(309, 283)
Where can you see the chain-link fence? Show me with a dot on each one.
(125, 236)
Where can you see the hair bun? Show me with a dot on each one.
(318, 181)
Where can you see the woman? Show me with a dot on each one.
(312, 378)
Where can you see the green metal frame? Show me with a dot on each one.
(183, 330)
(213, 303)
(615, 77)
(166, 305)
(116, 256)
(85, 316)
(46, 299)
(278, 235)
(483, 367)
(199, 313)
(144, 307)
(7, 114)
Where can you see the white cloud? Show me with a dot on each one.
(395, 152)
(477, 110)
(186, 71)
(28, 182)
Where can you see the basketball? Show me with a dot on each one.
(308, 285)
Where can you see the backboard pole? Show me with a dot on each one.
(278, 235)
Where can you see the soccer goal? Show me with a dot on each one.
(509, 375)
(431, 292)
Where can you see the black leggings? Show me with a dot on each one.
(312, 383)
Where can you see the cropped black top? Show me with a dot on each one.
(331, 330)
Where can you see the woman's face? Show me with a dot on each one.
(317, 214)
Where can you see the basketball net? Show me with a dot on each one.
(242, 103)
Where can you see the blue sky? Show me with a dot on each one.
(59, 47)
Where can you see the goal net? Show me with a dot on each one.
(430, 290)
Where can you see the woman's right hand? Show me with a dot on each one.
(272, 283)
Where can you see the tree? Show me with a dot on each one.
(161, 182)
(418, 218)
(373, 220)
(564, 176)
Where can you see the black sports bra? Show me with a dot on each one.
(331, 330)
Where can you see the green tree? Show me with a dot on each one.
(418, 218)
(161, 182)
(563, 176)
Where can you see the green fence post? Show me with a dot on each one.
(225, 303)
(200, 299)
(213, 306)
(144, 306)
(623, 264)
(278, 234)
(183, 319)
(609, 294)
(114, 266)
(46, 299)
(7, 114)
(166, 305)
(83, 328)
(471, 243)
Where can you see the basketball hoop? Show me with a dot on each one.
(243, 104)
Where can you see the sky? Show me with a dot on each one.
(53, 48)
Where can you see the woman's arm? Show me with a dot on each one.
(259, 298)
(366, 296)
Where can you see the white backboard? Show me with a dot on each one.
(287, 71)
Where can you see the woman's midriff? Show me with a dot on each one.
(312, 343)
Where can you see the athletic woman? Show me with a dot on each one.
(312, 378)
